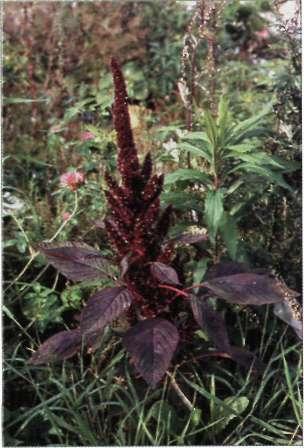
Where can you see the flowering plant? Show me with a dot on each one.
(72, 180)
(151, 278)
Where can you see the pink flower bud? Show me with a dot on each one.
(72, 180)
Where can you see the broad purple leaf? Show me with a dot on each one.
(76, 261)
(152, 344)
(164, 274)
(103, 307)
(247, 289)
(190, 238)
(212, 322)
(58, 347)
(225, 268)
(215, 326)
(246, 359)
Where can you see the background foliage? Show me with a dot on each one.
(233, 172)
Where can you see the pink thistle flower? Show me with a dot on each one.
(86, 136)
(72, 180)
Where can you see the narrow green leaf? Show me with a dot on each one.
(200, 270)
(240, 130)
(211, 128)
(201, 152)
(214, 210)
(263, 171)
(196, 135)
(230, 234)
(187, 174)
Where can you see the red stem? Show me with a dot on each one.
(178, 291)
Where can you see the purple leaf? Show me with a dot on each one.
(58, 347)
(247, 289)
(103, 307)
(190, 238)
(225, 268)
(152, 344)
(211, 321)
(246, 359)
(215, 326)
(76, 261)
(164, 274)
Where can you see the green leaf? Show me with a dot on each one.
(200, 270)
(182, 201)
(196, 135)
(240, 131)
(239, 405)
(214, 210)
(261, 158)
(223, 120)
(234, 186)
(187, 174)
(201, 152)
(263, 171)
(230, 234)
(211, 128)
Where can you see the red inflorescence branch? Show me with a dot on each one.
(134, 225)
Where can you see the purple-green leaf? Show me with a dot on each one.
(103, 307)
(76, 261)
(247, 289)
(191, 238)
(225, 268)
(212, 322)
(164, 274)
(151, 344)
(58, 347)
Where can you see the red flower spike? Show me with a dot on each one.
(163, 224)
(133, 223)
(128, 163)
(153, 188)
(146, 169)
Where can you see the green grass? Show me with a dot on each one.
(100, 401)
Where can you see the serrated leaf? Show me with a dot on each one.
(76, 261)
(164, 273)
(247, 289)
(183, 174)
(61, 346)
(214, 210)
(151, 344)
(103, 307)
